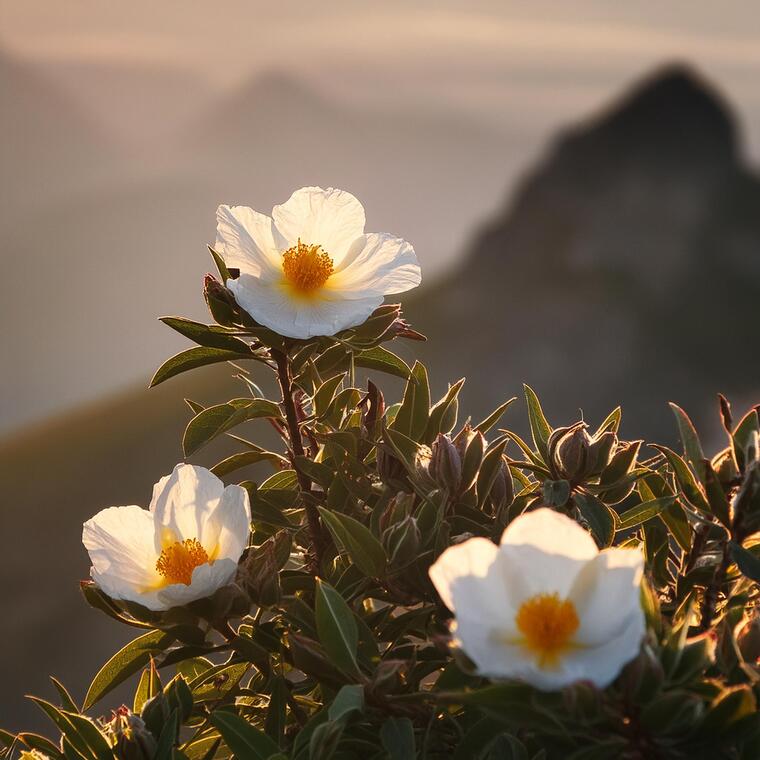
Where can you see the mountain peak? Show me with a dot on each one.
(673, 116)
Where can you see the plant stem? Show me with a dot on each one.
(297, 450)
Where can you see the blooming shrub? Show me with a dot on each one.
(406, 584)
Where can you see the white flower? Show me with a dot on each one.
(184, 547)
(546, 606)
(311, 269)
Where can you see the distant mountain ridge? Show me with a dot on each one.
(627, 268)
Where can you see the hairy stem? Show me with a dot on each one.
(297, 450)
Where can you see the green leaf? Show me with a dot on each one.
(125, 663)
(215, 420)
(611, 423)
(224, 273)
(193, 358)
(210, 336)
(485, 425)
(397, 737)
(365, 550)
(643, 512)
(147, 688)
(168, 737)
(598, 516)
(244, 459)
(489, 469)
(245, 741)
(690, 440)
(412, 417)
(744, 436)
(324, 395)
(539, 427)
(348, 701)
(382, 360)
(336, 627)
(443, 416)
(685, 479)
(80, 731)
(746, 561)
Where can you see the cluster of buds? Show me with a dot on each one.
(129, 736)
(575, 456)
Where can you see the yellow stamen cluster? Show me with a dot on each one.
(547, 624)
(306, 267)
(178, 560)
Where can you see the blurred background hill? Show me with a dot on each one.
(586, 211)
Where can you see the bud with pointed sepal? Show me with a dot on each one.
(129, 736)
(220, 301)
(445, 464)
(402, 542)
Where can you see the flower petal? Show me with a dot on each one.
(183, 506)
(551, 532)
(606, 592)
(245, 239)
(545, 551)
(602, 664)
(206, 579)
(378, 263)
(273, 306)
(330, 218)
(466, 565)
(120, 543)
(231, 521)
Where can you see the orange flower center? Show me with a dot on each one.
(547, 624)
(178, 560)
(306, 267)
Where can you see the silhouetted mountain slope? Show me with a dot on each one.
(627, 268)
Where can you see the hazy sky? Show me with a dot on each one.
(507, 62)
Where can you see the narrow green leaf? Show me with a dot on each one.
(685, 479)
(215, 420)
(147, 688)
(193, 358)
(348, 701)
(598, 516)
(485, 425)
(125, 663)
(443, 416)
(244, 459)
(224, 273)
(210, 336)
(539, 427)
(245, 741)
(746, 561)
(690, 440)
(336, 627)
(643, 512)
(365, 550)
(382, 360)
(397, 737)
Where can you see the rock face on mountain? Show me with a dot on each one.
(625, 270)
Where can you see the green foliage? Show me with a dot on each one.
(332, 642)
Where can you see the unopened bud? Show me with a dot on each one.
(445, 464)
(129, 737)
(402, 542)
(503, 489)
(571, 453)
(220, 301)
(725, 468)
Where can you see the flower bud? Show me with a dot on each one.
(725, 468)
(571, 453)
(219, 300)
(129, 736)
(402, 542)
(445, 464)
(502, 492)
